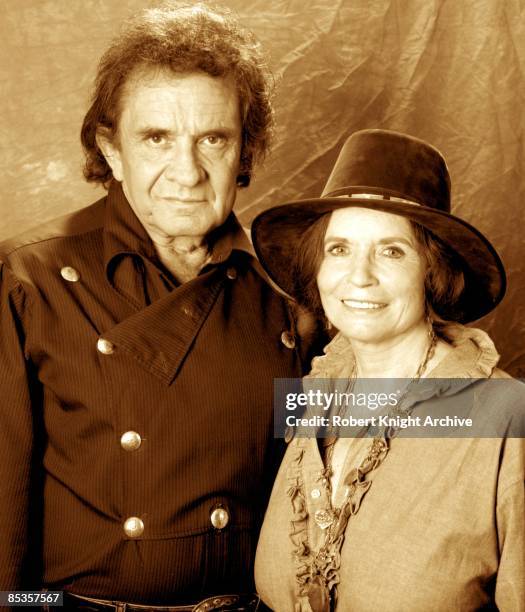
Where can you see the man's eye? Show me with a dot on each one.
(393, 252)
(157, 139)
(214, 140)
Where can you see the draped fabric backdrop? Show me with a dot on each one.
(448, 71)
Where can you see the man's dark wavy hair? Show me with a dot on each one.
(185, 38)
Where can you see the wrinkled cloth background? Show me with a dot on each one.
(448, 71)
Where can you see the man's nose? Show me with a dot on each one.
(183, 166)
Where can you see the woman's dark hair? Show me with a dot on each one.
(444, 279)
(182, 37)
(306, 263)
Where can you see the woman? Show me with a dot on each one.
(383, 521)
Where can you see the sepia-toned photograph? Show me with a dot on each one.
(262, 306)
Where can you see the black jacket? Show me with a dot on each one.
(97, 340)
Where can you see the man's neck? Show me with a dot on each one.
(183, 256)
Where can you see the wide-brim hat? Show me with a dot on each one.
(394, 173)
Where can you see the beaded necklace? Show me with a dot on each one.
(319, 590)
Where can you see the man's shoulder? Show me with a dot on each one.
(61, 233)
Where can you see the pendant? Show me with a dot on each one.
(324, 518)
(318, 595)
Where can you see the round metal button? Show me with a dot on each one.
(315, 493)
(288, 339)
(130, 440)
(219, 518)
(105, 346)
(231, 273)
(133, 527)
(70, 274)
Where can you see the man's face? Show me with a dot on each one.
(177, 152)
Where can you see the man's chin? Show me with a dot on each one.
(182, 226)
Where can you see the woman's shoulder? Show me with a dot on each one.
(502, 399)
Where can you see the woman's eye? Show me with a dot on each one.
(337, 250)
(393, 252)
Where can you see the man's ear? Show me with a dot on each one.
(110, 151)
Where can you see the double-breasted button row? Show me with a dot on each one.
(72, 275)
(134, 526)
(130, 440)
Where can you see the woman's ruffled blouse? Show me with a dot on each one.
(437, 524)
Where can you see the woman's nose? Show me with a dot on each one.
(361, 270)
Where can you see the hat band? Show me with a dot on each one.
(378, 196)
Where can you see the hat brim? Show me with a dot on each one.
(276, 233)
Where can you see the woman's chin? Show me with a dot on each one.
(364, 336)
(375, 333)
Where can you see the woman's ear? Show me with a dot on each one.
(107, 145)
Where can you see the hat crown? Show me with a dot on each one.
(391, 164)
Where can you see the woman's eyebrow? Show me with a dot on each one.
(406, 241)
(336, 238)
(385, 240)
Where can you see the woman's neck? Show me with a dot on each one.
(398, 357)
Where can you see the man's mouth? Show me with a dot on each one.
(362, 305)
(183, 201)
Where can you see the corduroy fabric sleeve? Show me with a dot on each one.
(510, 516)
(16, 435)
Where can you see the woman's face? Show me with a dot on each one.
(371, 278)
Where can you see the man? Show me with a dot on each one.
(140, 340)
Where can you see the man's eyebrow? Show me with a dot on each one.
(146, 132)
(223, 131)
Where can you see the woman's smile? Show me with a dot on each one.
(364, 305)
